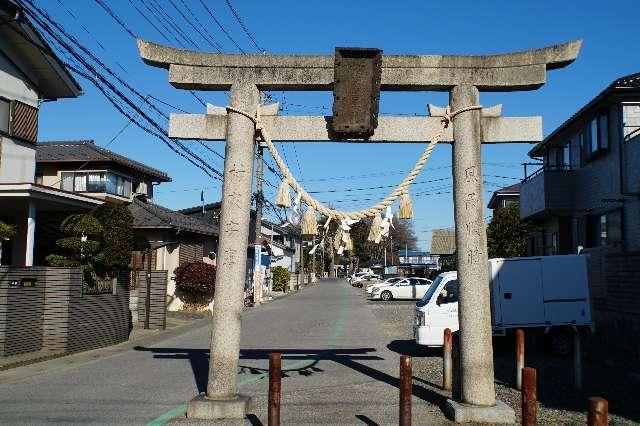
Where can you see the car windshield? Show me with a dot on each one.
(392, 281)
(432, 289)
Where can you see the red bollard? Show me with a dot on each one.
(406, 383)
(519, 357)
(275, 376)
(529, 397)
(598, 412)
(447, 360)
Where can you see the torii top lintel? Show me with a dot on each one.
(524, 70)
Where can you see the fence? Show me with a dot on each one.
(44, 308)
(158, 311)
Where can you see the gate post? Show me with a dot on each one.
(221, 400)
(474, 312)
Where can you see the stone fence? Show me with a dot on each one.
(45, 308)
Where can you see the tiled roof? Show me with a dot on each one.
(443, 241)
(621, 85)
(511, 191)
(87, 150)
(147, 215)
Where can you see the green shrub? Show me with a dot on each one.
(117, 235)
(195, 283)
(81, 246)
(6, 231)
(280, 278)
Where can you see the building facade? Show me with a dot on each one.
(587, 193)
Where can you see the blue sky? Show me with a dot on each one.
(609, 31)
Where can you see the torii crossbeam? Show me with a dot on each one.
(462, 76)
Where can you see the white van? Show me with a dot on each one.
(550, 293)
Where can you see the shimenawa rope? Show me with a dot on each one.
(371, 211)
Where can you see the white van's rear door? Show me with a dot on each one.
(566, 289)
(518, 284)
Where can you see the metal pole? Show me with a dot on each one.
(519, 357)
(147, 299)
(257, 285)
(598, 412)
(474, 309)
(447, 361)
(405, 390)
(529, 397)
(275, 379)
(577, 362)
(232, 247)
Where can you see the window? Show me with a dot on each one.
(95, 182)
(452, 292)
(566, 155)
(5, 108)
(604, 229)
(598, 133)
(630, 121)
(66, 181)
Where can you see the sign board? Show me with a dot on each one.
(356, 91)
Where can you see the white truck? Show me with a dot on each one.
(548, 293)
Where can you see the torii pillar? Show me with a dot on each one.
(462, 76)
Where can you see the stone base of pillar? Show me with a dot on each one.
(204, 408)
(466, 413)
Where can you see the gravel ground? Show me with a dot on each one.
(558, 403)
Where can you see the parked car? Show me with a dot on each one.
(406, 288)
(369, 288)
(359, 282)
(357, 275)
(547, 295)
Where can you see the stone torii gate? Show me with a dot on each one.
(462, 76)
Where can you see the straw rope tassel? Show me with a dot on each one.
(283, 199)
(309, 222)
(337, 240)
(405, 211)
(376, 229)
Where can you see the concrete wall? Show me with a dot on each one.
(55, 315)
(614, 282)
(17, 161)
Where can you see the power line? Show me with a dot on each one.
(221, 27)
(244, 28)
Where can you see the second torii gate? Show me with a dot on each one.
(462, 76)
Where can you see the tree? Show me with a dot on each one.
(506, 234)
(281, 278)
(6, 231)
(117, 235)
(81, 244)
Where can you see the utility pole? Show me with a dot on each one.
(313, 262)
(257, 266)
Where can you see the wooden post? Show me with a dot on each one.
(147, 299)
(275, 376)
(519, 357)
(406, 382)
(598, 412)
(529, 397)
(447, 361)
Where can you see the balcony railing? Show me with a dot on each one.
(548, 189)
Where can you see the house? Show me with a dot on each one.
(503, 197)
(586, 198)
(284, 240)
(174, 238)
(443, 244)
(586, 194)
(84, 167)
(29, 75)
(415, 262)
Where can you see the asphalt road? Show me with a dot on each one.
(337, 370)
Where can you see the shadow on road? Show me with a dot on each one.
(199, 359)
